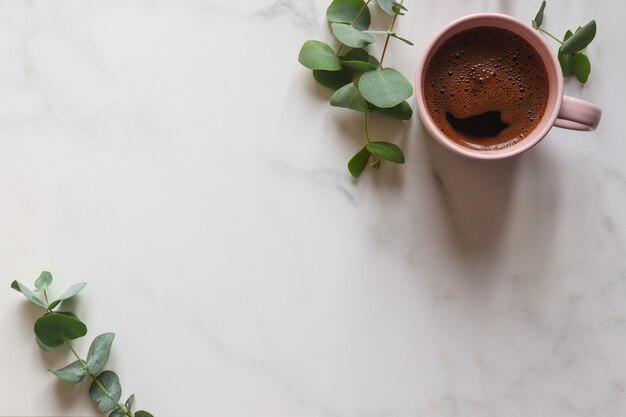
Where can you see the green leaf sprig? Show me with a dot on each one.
(359, 81)
(56, 328)
(571, 57)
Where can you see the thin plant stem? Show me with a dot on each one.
(550, 35)
(367, 137)
(361, 12)
(393, 22)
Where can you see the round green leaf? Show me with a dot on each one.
(387, 151)
(348, 97)
(74, 373)
(350, 36)
(99, 352)
(52, 329)
(31, 296)
(359, 65)
(358, 162)
(142, 413)
(345, 11)
(384, 88)
(581, 67)
(111, 383)
(358, 54)
(43, 282)
(334, 79)
(317, 55)
(43, 346)
(580, 39)
(72, 291)
(402, 111)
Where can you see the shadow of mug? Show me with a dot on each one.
(474, 196)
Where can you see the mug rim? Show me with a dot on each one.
(555, 83)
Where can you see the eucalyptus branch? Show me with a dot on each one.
(571, 57)
(56, 328)
(359, 81)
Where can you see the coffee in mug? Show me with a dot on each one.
(486, 88)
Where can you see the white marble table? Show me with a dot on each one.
(175, 156)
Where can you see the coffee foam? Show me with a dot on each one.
(484, 70)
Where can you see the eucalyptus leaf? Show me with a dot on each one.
(387, 6)
(566, 63)
(334, 79)
(358, 162)
(402, 111)
(387, 151)
(43, 346)
(31, 296)
(350, 36)
(74, 373)
(384, 88)
(99, 352)
(359, 65)
(581, 67)
(72, 291)
(111, 383)
(346, 11)
(349, 97)
(118, 412)
(142, 413)
(359, 54)
(52, 329)
(317, 55)
(538, 20)
(43, 282)
(129, 402)
(580, 39)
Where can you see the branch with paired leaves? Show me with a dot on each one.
(56, 328)
(359, 81)
(571, 57)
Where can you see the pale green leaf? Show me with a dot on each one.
(111, 383)
(350, 36)
(348, 97)
(43, 282)
(384, 88)
(31, 296)
(99, 352)
(317, 55)
(346, 11)
(74, 373)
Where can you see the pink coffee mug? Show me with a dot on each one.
(562, 111)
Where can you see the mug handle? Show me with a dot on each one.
(576, 114)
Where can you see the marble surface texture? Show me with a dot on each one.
(175, 156)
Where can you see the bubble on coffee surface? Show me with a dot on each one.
(485, 71)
